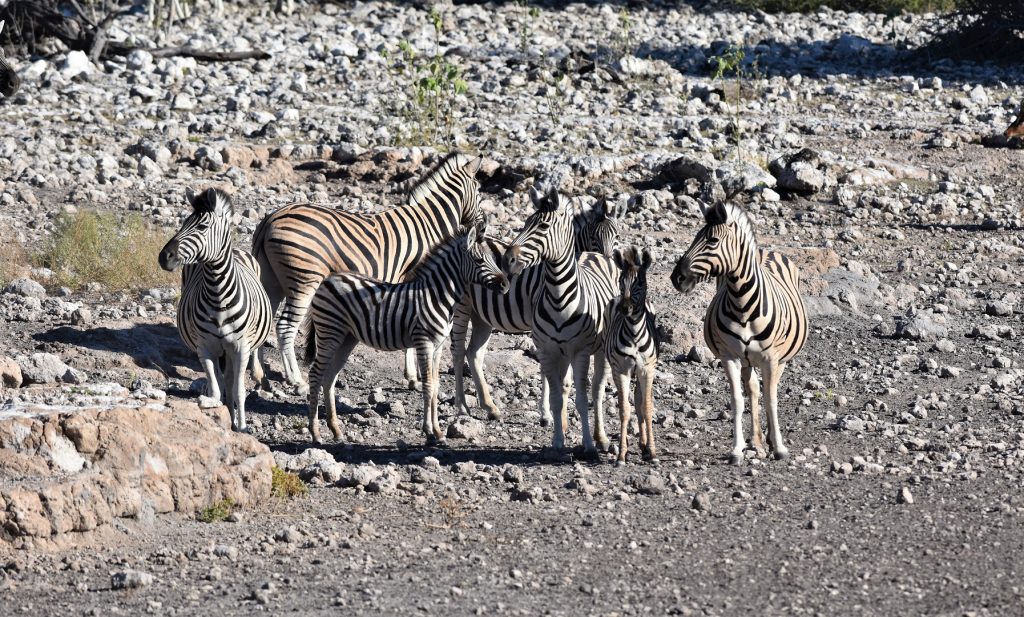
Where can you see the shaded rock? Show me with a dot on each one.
(467, 427)
(46, 368)
(26, 288)
(699, 166)
(10, 373)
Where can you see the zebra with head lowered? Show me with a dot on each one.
(224, 314)
(594, 228)
(9, 80)
(631, 348)
(349, 309)
(569, 311)
(756, 319)
(300, 245)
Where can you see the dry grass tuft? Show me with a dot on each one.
(14, 260)
(120, 252)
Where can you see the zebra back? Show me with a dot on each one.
(304, 243)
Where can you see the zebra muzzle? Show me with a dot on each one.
(512, 262)
(169, 257)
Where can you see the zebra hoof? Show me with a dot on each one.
(621, 462)
(545, 422)
(412, 384)
(590, 454)
(736, 459)
(781, 455)
(494, 415)
(302, 389)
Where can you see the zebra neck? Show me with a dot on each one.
(745, 285)
(219, 269)
(440, 290)
(561, 291)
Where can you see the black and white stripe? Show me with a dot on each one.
(300, 245)
(569, 311)
(9, 80)
(756, 319)
(631, 348)
(349, 309)
(224, 314)
(595, 228)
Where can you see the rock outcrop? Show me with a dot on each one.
(69, 470)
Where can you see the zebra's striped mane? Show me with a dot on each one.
(433, 257)
(724, 213)
(209, 200)
(449, 165)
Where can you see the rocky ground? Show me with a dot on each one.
(904, 413)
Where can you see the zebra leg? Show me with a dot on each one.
(237, 360)
(545, 401)
(622, 385)
(425, 355)
(564, 412)
(259, 375)
(771, 373)
(597, 394)
(580, 373)
(212, 370)
(460, 324)
(733, 369)
(411, 378)
(645, 403)
(477, 351)
(554, 372)
(435, 378)
(751, 390)
(316, 371)
(295, 309)
(330, 380)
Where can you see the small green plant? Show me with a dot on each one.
(731, 63)
(527, 18)
(286, 485)
(217, 513)
(436, 86)
(625, 34)
(118, 251)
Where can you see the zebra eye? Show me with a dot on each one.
(712, 242)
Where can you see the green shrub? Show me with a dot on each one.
(118, 251)
(983, 29)
(217, 513)
(286, 485)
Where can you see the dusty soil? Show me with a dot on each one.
(904, 415)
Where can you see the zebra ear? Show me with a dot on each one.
(535, 196)
(2, 22)
(600, 209)
(190, 195)
(471, 238)
(647, 258)
(703, 208)
(220, 202)
(474, 165)
(617, 258)
(617, 210)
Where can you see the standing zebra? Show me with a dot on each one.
(631, 346)
(224, 314)
(595, 227)
(300, 245)
(569, 311)
(9, 80)
(349, 309)
(756, 319)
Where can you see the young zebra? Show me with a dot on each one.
(9, 80)
(349, 309)
(569, 311)
(300, 245)
(630, 346)
(756, 319)
(595, 227)
(224, 314)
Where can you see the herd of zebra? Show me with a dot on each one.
(411, 276)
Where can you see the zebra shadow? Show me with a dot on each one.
(148, 345)
(413, 454)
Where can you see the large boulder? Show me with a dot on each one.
(71, 470)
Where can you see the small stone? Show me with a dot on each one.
(10, 373)
(701, 502)
(905, 496)
(513, 474)
(81, 316)
(466, 427)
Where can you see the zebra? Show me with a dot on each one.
(9, 80)
(300, 245)
(631, 346)
(569, 312)
(755, 320)
(224, 314)
(595, 227)
(349, 308)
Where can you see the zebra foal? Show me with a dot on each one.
(224, 314)
(300, 245)
(349, 309)
(755, 320)
(569, 312)
(630, 347)
(595, 228)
